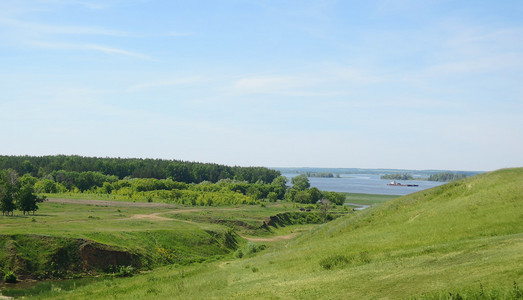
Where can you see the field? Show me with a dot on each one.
(142, 234)
(463, 239)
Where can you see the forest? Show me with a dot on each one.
(181, 171)
(26, 179)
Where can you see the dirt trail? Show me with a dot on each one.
(152, 216)
(271, 239)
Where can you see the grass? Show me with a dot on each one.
(38, 245)
(462, 238)
(368, 199)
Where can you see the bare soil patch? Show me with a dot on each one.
(271, 239)
(154, 216)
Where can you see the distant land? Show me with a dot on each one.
(302, 170)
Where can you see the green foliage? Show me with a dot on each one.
(230, 238)
(448, 176)
(66, 169)
(8, 190)
(321, 174)
(10, 277)
(300, 182)
(313, 195)
(334, 261)
(27, 200)
(515, 293)
(397, 176)
(238, 253)
(251, 248)
(453, 237)
(125, 271)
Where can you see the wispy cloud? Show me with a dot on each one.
(330, 81)
(36, 29)
(89, 47)
(96, 5)
(117, 51)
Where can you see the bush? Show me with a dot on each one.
(251, 248)
(238, 253)
(10, 277)
(333, 261)
(125, 271)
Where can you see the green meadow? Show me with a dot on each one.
(368, 199)
(462, 240)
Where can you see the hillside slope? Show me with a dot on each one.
(452, 237)
(466, 235)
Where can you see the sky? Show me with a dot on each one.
(401, 84)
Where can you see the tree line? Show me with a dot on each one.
(248, 185)
(181, 171)
(448, 176)
(397, 176)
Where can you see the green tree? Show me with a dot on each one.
(178, 172)
(280, 181)
(7, 204)
(272, 197)
(8, 188)
(302, 197)
(300, 182)
(27, 200)
(325, 205)
(315, 194)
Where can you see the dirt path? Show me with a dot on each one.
(271, 239)
(154, 216)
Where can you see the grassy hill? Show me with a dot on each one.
(464, 237)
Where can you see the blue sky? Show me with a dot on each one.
(368, 84)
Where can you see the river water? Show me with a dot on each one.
(366, 184)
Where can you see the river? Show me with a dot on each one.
(366, 184)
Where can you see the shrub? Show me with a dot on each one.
(238, 253)
(333, 261)
(125, 271)
(251, 248)
(10, 277)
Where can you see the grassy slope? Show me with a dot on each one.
(160, 235)
(368, 199)
(450, 238)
